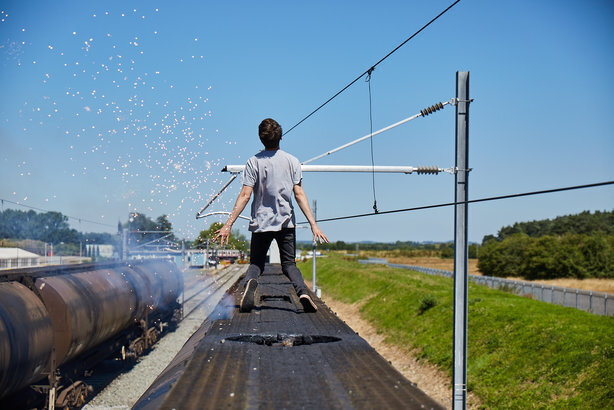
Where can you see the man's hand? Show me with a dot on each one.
(223, 233)
(242, 200)
(318, 235)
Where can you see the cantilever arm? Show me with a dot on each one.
(422, 113)
(198, 214)
(222, 213)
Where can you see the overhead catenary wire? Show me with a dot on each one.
(371, 68)
(47, 210)
(471, 201)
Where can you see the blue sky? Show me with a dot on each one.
(136, 106)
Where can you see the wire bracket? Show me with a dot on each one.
(369, 72)
(456, 170)
(454, 101)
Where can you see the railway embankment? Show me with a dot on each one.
(521, 352)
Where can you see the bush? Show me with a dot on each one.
(504, 258)
(426, 303)
(447, 252)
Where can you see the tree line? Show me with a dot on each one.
(31, 230)
(583, 223)
(142, 229)
(572, 246)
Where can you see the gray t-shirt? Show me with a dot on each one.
(273, 175)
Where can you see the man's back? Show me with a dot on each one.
(272, 174)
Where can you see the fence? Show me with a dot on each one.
(599, 303)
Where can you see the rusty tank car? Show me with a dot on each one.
(53, 317)
(26, 337)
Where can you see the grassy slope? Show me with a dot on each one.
(521, 353)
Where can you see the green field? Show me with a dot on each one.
(521, 353)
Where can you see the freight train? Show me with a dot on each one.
(57, 322)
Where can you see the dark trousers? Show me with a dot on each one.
(286, 241)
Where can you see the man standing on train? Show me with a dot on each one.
(272, 175)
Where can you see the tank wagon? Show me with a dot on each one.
(57, 322)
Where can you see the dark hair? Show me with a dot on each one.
(270, 133)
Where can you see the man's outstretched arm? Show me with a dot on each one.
(303, 203)
(242, 200)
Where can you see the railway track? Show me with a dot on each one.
(121, 385)
(206, 292)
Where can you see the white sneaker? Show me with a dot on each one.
(247, 302)
(308, 304)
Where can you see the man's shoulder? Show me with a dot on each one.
(251, 161)
(262, 154)
(288, 155)
(277, 154)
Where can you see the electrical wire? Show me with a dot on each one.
(492, 198)
(368, 80)
(68, 216)
(373, 66)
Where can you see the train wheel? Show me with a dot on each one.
(73, 396)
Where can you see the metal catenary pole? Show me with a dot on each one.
(313, 269)
(125, 244)
(461, 182)
(207, 257)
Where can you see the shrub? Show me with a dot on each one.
(426, 303)
(504, 258)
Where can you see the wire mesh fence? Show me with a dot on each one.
(599, 303)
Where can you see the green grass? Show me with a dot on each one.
(521, 353)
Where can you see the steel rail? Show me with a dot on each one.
(228, 276)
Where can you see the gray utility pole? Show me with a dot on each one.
(461, 183)
(207, 257)
(315, 216)
(125, 244)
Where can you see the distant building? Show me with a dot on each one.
(11, 258)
